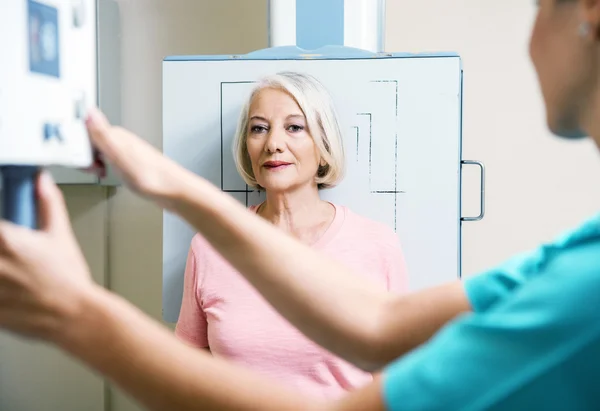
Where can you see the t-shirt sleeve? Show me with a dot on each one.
(492, 287)
(501, 355)
(192, 325)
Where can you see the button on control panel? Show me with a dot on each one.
(52, 131)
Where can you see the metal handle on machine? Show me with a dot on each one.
(482, 192)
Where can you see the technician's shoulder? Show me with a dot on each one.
(576, 253)
(572, 258)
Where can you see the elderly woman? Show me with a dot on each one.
(289, 144)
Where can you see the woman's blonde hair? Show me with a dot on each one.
(317, 106)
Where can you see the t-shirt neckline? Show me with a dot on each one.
(331, 231)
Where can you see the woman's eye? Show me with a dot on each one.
(295, 128)
(257, 129)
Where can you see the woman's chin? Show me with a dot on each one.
(278, 185)
(276, 188)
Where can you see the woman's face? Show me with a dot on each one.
(282, 151)
(564, 57)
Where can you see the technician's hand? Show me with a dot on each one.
(142, 167)
(43, 274)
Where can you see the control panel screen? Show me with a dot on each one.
(43, 30)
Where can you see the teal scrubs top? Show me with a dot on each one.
(532, 341)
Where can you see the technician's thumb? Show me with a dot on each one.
(52, 210)
(99, 129)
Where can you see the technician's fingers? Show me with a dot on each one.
(98, 127)
(98, 166)
(115, 144)
(52, 210)
(141, 165)
(10, 238)
(11, 284)
(6, 268)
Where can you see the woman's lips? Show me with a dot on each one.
(275, 165)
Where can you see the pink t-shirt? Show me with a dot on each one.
(221, 310)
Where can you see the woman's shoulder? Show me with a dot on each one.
(203, 251)
(378, 246)
(199, 243)
(206, 261)
(366, 227)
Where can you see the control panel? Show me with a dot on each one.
(48, 78)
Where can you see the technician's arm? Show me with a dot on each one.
(324, 299)
(162, 373)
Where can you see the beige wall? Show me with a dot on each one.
(536, 185)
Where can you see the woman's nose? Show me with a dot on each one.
(274, 142)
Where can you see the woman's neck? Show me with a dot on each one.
(301, 213)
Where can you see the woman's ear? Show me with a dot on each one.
(323, 169)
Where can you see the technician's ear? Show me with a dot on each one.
(590, 18)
